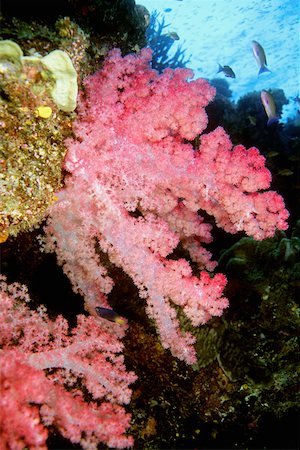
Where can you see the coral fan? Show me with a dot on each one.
(137, 188)
(50, 375)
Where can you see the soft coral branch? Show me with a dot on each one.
(137, 188)
(47, 373)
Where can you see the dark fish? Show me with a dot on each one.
(173, 35)
(297, 100)
(228, 72)
(272, 154)
(285, 172)
(260, 56)
(109, 314)
(252, 120)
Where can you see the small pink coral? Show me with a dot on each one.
(74, 380)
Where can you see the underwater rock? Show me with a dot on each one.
(34, 128)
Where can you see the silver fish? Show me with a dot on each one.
(270, 107)
(260, 56)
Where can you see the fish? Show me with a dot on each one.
(109, 314)
(272, 154)
(297, 100)
(260, 56)
(173, 35)
(252, 120)
(270, 107)
(228, 72)
(285, 172)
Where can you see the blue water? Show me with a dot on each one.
(221, 31)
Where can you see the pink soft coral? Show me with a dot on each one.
(47, 373)
(137, 188)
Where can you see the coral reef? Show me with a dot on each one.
(76, 26)
(247, 374)
(34, 128)
(241, 390)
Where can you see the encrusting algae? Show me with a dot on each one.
(36, 93)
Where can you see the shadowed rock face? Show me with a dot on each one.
(105, 15)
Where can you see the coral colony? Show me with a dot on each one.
(135, 191)
(136, 187)
(31, 400)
